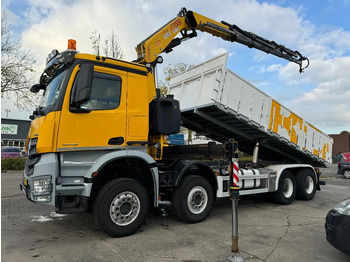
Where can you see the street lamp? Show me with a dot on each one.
(7, 112)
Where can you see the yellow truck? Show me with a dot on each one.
(99, 139)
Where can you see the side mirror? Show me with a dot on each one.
(37, 87)
(82, 90)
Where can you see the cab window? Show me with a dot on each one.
(105, 92)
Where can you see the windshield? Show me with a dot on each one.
(53, 89)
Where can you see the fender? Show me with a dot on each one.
(182, 167)
(109, 157)
(280, 168)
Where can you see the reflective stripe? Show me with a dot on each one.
(62, 149)
(235, 173)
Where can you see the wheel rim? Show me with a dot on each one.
(124, 208)
(287, 188)
(197, 200)
(347, 173)
(309, 185)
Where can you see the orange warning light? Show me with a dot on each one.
(72, 44)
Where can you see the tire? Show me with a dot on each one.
(193, 199)
(306, 184)
(121, 207)
(346, 173)
(286, 191)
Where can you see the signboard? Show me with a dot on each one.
(9, 129)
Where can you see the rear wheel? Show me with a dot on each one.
(121, 207)
(286, 191)
(306, 184)
(346, 173)
(193, 199)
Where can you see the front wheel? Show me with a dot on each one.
(193, 199)
(121, 207)
(286, 191)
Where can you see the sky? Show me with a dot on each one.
(319, 30)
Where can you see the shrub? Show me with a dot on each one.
(16, 163)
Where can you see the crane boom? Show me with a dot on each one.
(187, 22)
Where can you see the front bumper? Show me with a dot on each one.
(25, 191)
(39, 179)
(43, 184)
(342, 167)
(338, 231)
(340, 171)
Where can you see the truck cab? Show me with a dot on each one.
(91, 106)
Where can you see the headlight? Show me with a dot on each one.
(344, 207)
(41, 185)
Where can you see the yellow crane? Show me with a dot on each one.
(188, 22)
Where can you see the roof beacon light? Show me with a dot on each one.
(72, 44)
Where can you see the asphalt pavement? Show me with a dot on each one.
(267, 231)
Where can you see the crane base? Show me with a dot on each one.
(235, 257)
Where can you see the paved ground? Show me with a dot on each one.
(268, 232)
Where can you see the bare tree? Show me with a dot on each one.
(95, 41)
(169, 71)
(172, 70)
(111, 47)
(16, 67)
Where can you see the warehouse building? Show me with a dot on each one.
(14, 132)
(341, 143)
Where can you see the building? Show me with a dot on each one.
(14, 132)
(341, 143)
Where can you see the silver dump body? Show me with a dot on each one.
(218, 103)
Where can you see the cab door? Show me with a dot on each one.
(101, 121)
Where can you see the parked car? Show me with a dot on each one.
(344, 165)
(338, 226)
(10, 151)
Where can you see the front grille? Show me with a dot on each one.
(32, 147)
(33, 157)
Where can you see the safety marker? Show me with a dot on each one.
(235, 180)
(234, 196)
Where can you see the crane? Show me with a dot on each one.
(188, 22)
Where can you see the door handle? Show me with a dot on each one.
(116, 140)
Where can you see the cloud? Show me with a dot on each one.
(328, 104)
(53, 22)
(320, 71)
